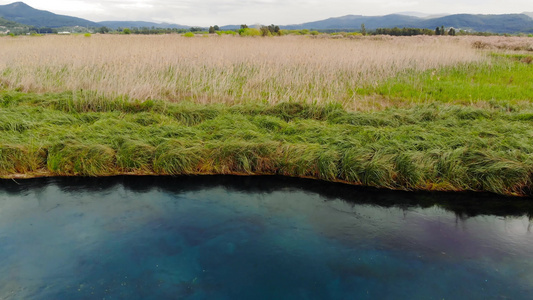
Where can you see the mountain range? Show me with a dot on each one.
(507, 23)
(140, 24)
(22, 13)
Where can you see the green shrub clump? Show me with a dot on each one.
(249, 32)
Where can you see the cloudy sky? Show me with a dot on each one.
(282, 12)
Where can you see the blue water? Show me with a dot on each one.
(257, 238)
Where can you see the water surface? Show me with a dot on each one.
(257, 238)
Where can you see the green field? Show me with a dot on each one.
(505, 79)
(468, 126)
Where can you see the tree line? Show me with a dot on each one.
(245, 30)
(414, 31)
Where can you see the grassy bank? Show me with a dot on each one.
(429, 147)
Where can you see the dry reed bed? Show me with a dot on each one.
(503, 43)
(221, 69)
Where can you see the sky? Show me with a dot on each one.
(279, 12)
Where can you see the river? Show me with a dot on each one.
(265, 237)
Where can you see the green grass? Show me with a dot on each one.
(504, 79)
(436, 146)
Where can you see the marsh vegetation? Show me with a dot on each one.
(415, 113)
(225, 69)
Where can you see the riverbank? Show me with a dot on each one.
(433, 146)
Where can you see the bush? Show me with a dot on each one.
(265, 31)
(188, 34)
(250, 32)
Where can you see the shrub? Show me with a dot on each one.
(188, 34)
(265, 31)
(249, 32)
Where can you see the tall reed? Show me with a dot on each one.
(220, 69)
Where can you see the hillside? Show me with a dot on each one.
(139, 24)
(25, 14)
(7, 26)
(508, 23)
(355, 21)
(7, 23)
(10, 24)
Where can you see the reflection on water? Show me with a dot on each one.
(226, 237)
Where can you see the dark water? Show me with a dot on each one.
(257, 238)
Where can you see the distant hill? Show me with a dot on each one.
(139, 24)
(7, 26)
(355, 21)
(25, 14)
(508, 23)
(230, 27)
(421, 15)
(10, 24)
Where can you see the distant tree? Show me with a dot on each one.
(442, 31)
(451, 31)
(437, 31)
(103, 29)
(265, 31)
(270, 30)
(244, 26)
(126, 31)
(363, 29)
(211, 29)
(404, 31)
(195, 29)
(216, 28)
(274, 29)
